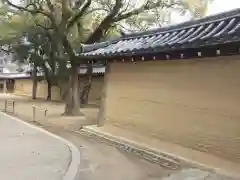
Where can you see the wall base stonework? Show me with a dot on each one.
(194, 103)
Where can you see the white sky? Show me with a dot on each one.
(217, 6)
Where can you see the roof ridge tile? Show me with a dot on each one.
(216, 28)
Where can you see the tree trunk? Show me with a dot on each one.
(49, 81)
(49, 88)
(87, 87)
(72, 107)
(34, 79)
(85, 93)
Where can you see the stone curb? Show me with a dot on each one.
(72, 171)
(164, 159)
(132, 147)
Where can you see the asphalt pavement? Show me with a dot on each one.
(27, 153)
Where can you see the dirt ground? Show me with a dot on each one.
(24, 109)
(208, 160)
(98, 160)
(96, 151)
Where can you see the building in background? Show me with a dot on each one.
(21, 84)
(16, 78)
(6, 68)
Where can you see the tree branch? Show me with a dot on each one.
(127, 29)
(50, 6)
(126, 7)
(106, 23)
(118, 5)
(95, 9)
(51, 15)
(68, 48)
(32, 11)
(145, 7)
(43, 27)
(78, 4)
(37, 11)
(79, 14)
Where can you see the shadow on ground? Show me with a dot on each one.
(24, 109)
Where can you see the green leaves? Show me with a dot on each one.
(91, 19)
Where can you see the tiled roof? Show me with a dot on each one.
(96, 70)
(217, 29)
(22, 75)
(14, 75)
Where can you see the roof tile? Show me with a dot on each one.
(202, 32)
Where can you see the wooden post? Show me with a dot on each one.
(5, 106)
(13, 106)
(45, 112)
(5, 86)
(35, 108)
(34, 113)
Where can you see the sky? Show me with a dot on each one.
(217, 6)
(222, 5)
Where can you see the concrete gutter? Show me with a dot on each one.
(72, 172)
(126, 145)
(164, 159)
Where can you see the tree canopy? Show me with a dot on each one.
(69, 23)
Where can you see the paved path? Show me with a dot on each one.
(101, 161)
(29, 154)
(196, 174)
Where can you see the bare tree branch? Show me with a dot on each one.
(43, 27)
(106, 23)
(50, 6)
(96, 9)
(51, 15)
(79, 14)
(127, 29)
(78, 4)
(66, 14)
(32, 11)
(107, 4)
(37, 10)
(127, 6)
(117, 7)
(67, 46)
(145, 7)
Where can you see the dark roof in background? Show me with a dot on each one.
(92, 47)
(217, 29)
(24, 75)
